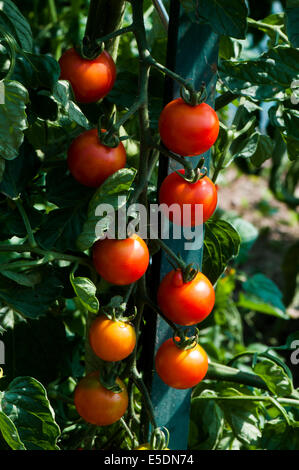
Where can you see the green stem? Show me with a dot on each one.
(52, 11)
(224, 373)
(178, 158)
(271, 27)
(156, 309)
(128, 431)
(225, 99)
(115, 34)
(221, 160)
(26, 221)
(282, 401)
(178, 261)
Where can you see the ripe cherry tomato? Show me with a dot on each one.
(91, 80)
(188, 130)
(185, 303)
(121, 262)
(98, 405)
(180, 368)
(111, 340)
(176, 190)
(91, 162)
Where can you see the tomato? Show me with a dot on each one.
(180, 368)
(98, 405)
(121, 262)
(188, 130)
(176, 190)
(111, 340)
(91, 80)
(90, 162)
(185, 303)
(147, 446)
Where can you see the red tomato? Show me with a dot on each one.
(121, 262)
(188, 130)
(91, 80)
(111, 340)
(175, 190)
(91, 162)
(185, 303)
(98, 405)
(180, 368)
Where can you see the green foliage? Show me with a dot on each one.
(48, 286)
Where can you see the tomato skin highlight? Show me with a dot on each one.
(97, 405)
(179, 368)
(111, 340)
(188, 303)
(121, 262)
(91, 80)
(90, 162)
(188, 130)
(175, 190)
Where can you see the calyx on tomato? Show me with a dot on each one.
(116, 309)
(108, 376)
(185, 342)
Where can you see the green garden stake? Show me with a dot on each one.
(192, 53)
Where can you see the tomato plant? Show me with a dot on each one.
(111, 340)
(91, 80)
(98, 405)
(181, 368)
(91, 162)
(121, 262)
(83, 313)
(185, 303)
(188, 130)
(176, 190)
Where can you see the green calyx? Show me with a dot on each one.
(192, 97)
(193, 175)
(116, 310)
(89, 50)
(185, 342)
(108, 375)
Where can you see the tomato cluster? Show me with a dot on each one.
(185, 300)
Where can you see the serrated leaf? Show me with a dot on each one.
(264, 78)
(114, 191)
(63, 96)
(13, 22)
(223, 17)
(275, 377)
(221, 244)
(31, 302)
(86, 292)
(9, 431)
(12, 119)
(25, 402)
(277, 435)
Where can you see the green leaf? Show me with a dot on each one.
(63, 96)
(247, 232)
(290, 133)
(86, 292)
(264, 78)
(227, 18)
(114, 191)
(61, 228)
(292, 22)
(208, 421)
(31, 302)
(36, 71)
(221, 244)
(9, 431)
(262, 295)
(12, 119)
(20, 171)
(277, 435)
(275, 377)
(25, 402)
(13, 22)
